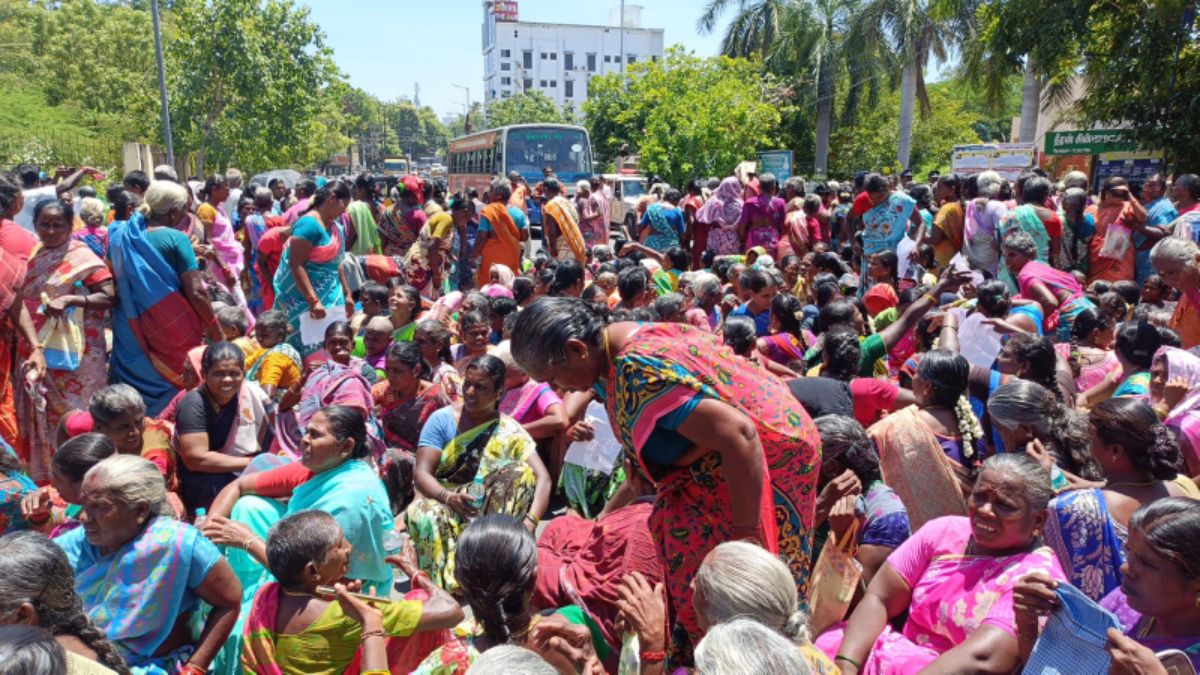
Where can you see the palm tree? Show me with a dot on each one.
(754, 26)
(915, 32)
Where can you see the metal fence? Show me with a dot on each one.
(59, 149)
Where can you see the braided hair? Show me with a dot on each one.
(948, 375)
(1040, 359)
(496, 570)
(1086, 323)
(34, 570)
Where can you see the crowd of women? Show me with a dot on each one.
(801, 428)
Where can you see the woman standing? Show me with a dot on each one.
(1059, 294)
(946, 235)
(886, 223)
(1175, 394)
(362, 213)
(309, 277)
(720, 215)
(425, 262)
(502, 231)
(1041, 224)
(1177, 261)
(1111, 254)
(162, 309)
(983, 214)
(400, 225)
(67, 275)
(219, 244)
(683, 406)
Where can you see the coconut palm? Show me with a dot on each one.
(753, 29)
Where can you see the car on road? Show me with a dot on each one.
(627, 190)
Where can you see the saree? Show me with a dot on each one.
(979, 234)
(398, 228)
(496, 451)
(137, 594)
(95, 238)
(949, 220)
(1025, 219)
(915, 466)
(570, 237)
(154, 325)
(1184, 419)
(784, 348)
(1186, 318)
(884, 226)
(12, 275)
(1110, 251)
(1134, 626)
(662, 234)
(275, 366)
(764, 218)
(1090, 374)
(721, 214)
(330, 383)
(1088, 543)
(1065, 289)
(367, 240)
(322, 268)
(504, 247)
(332, 644)
(402, 419)
(664, 368)
(418, 264)
(56, 273)
(953, 595)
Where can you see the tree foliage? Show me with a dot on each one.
(686, 116)
(526, 108)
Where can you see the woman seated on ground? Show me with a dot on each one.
(473, 330)
(404, 403)
(337, 380)
(472, 460)
(1157, 603)
(929, 452)
(971, 563)
(705, 312)
(1175, 393)
(404, 305)
(433, 337)
(1023, 356)
(1058, 292)
(37, 587)
(1137, 343)
(58, 506)
(839, 390)
(1138, 460)
(496, 574)
(294, 628)
(141, 574)
(537, 408)
(1090, 351)
(788, 342)
(1024, 416)
(275, 365)
(375, 340)
(740, 335)
(220, 426)
(588, 559)
(992, 299)
(745, 647)
(15, 487)
(851, 484)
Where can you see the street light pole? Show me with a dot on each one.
(622, 38)
(162, 86)
(467, 109)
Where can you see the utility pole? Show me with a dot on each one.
(622, 39)
(162, 86)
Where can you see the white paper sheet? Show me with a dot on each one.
(601, 452)
(312, 331)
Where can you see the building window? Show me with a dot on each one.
(527, 59)
(553, 56)
(505, 53)
(631, 59)
(542, 84)
(607, 58)
(528, 83)
(506, 80)
(591, 63)
(504, 94)
(569, 88)
(553, 84)
(569, 60)
(544, 56)
(506, 66)
(654, 59)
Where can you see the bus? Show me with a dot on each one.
(395, 166)
(525, 148)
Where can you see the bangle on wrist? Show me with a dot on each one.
(849, 660)
(930, 298)
(443, 495)
(532, 519)
(652, 657)
(38, 348)
(247, 543)
(378, 632)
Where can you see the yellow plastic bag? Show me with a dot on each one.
(834, 581)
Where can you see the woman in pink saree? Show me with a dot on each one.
(1175, 393)
(955, 577)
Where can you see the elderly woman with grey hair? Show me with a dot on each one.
(705, 312)
(1177, 261)
(745, 647)
(685, 408)
(983, 216)
(141, 574)
(94, 233)
(1078, 227)
(1057, 292)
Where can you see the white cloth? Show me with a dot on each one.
(32, 197)
(230, 205)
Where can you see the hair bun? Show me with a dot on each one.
(1163, 454)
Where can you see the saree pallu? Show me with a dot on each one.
(329, 384)
(322, 268)
(722, 240)
(396, 233)
(256, 362)
(503, 247)
(95, 238)
(1186, 318)
(137, 594)
(662, 367)
(366, 231)
(332, 643)
(784, 348)
(55, 273)
(402, 421)
(979, 241)
(418, 263)
(1066, 318)
(915, 466)
(12, 275)
(498, 452)
(1111, 255)
(662, 235)
(154, 325)
(1088, 543)
(1025, 219)
(567, 219)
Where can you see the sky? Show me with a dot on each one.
(387, 46)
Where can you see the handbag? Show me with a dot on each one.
(62, 337)
(1074, 639)
(834, 580)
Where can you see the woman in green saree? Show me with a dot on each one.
(471, 461)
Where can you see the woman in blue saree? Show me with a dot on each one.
(886, 223)
(162, 311)
(309, 278)
(333, 476)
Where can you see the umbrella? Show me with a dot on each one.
(289, 177)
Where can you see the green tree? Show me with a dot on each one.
(686, 116)
(250, 83)
(524, 108)
(755, 26)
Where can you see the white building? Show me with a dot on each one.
(558, 59)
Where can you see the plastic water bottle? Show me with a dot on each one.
(477, 493)
(393, 543)
(201, 516)
(630, 662)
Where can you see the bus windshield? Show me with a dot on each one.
(566, 151)
(395, 166)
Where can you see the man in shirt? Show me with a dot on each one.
(1160, 213)
(1186, 193)
(34, 192)
(762, 290)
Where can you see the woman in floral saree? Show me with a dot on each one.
(78, 288)
(471, 461)
(683, 405)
